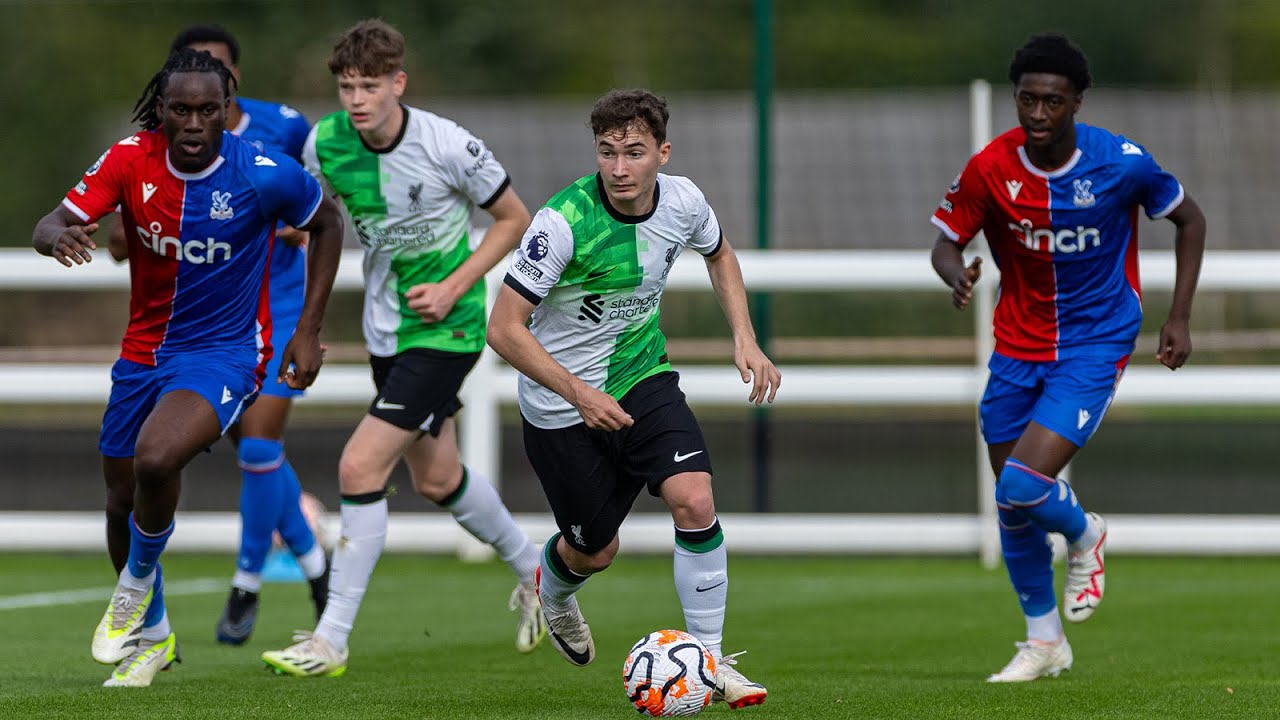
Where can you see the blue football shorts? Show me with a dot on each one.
(1069, 397)
(225, 379)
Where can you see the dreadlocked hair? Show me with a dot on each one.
(183, 60)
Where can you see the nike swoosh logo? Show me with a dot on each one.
(682, 458)
(597, 275)
(577, 658)
(710, 587)
(384, 405)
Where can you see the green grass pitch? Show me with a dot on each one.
(830, 637)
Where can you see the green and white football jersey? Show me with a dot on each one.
(411, 205)
(597, 278)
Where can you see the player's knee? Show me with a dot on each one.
(155, 465)
(438, 484)
(600, 560)
(692, 504)
(260, 454)
(1021, 486)
(355, 475)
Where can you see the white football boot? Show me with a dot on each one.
(140, 668)
(531, 627)
(1086, 576)
(733, 688)
(310, 656)
(1035, 660)
(120, 630)
(570, 635)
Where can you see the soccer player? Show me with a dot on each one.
(410, 179)
(201, 206)
(603, 413)
(269, 490)
(1058, 202)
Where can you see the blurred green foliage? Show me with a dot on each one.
(75, 67)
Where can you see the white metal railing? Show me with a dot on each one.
(493, 384)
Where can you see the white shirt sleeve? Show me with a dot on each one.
(471, 166)
(706, 234)
(543, 253)
(311, 161)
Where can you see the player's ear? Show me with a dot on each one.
(399, 81)
(664, 153)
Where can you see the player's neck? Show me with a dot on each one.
(1052, 157)
(383, 137)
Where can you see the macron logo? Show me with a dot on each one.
(226, 395)
(148, 189)
(1082, 418)
(263, 161)
(1014, 187)
(1130, 149)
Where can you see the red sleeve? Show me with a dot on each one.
(963, 209)
(101, 190)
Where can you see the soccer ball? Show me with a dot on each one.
(669, 673)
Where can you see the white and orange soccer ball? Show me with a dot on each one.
(669, 673)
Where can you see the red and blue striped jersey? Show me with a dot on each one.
(1066, 241)
(199, 243)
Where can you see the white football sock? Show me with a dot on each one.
(477, 507)
(364, 533)
(159, 631)
(312, 562)
(554, 590)
(247, 581)
(1045, 628)
(702, 582)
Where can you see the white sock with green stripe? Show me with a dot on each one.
(364, 534)
(702, 582)
(477, 507)
(558, 583)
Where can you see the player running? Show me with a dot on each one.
(410, 180)
(269, 490)
(603, 413)
(1058, 203)
(201, 205)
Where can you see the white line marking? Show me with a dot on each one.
(199, 586)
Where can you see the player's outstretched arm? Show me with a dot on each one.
(754, 366)
(434, 301)
(948, 262)
(509, 336)
(1175, 334)
(323, 253)
(64, 237)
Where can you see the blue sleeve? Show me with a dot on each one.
(296, 131)
(1158, 191)
(287, 191)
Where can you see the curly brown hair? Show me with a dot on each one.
(623, 110)
(370, 48)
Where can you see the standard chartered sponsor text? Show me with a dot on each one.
(404, 235)
(631, 307)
